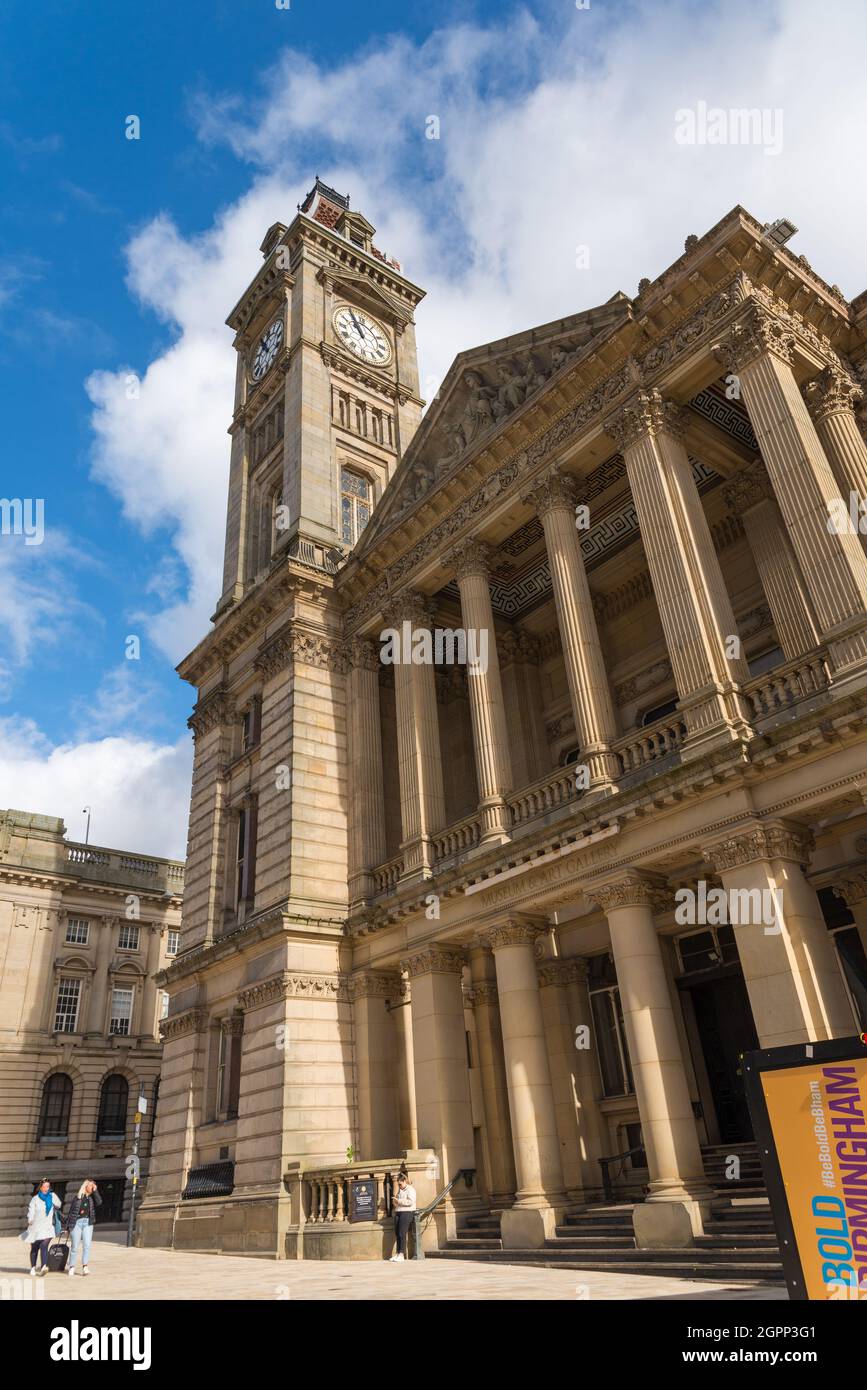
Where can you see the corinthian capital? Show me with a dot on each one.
(470, 558)
(747, 488)
(759, 842)
(757, 333)
(633, 890)
(363, 654)
(408, 607)
(645, 413)
(512, 932)
(554, 489)
(833, 392)
(435, 960)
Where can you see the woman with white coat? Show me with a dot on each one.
(40, 1224)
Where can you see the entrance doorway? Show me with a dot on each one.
(720, 1023)
(111, 1191)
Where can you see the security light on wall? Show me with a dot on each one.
(781, 231)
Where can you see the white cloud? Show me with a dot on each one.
(138, 789)
(38, 605)
(555, 131)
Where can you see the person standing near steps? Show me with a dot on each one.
(79, 1220)
(405, 1207)
(40, 1224)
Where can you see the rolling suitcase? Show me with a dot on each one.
(58, 1255)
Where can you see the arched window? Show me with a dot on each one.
(354, 505)
(56, 1107)
(113, 1105)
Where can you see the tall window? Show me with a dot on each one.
(245, 855)
(113, 1105)
(56, 1106)
(354, 505)
(610, 1034)
(120, 1018)
(164, 1005)
(77, 930)
(173, 941)
(68, 999)
(128, 939)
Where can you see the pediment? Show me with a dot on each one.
(364, 288)
(482, 389)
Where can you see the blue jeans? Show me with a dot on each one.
(82, 1231)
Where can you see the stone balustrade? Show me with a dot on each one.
(319, 1196)
(325, 1191)
(555, 789)
(647, 745)
(785, 686)
(135, 871)
(456, 839)
(386, 876)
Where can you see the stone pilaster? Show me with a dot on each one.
(402, 1015)
(375, 1063)
(694, 607)
(758, 349)
(661, 1088)
(571, 1100)
(831, 400)
(749, 496)
(790, 967)
(97, 1004)
(422, 799)
(367, 799)
(147, 1026)
(482, 998)
(471, 562)
(540, 1198)
(554, 501)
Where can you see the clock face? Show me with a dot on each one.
(362, 335)
(267, 349)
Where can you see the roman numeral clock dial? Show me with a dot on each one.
(362, 336)
(266, 350)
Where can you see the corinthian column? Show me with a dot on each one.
(471, 562)
(375, 1062)
(831, 401)
(422, 800)
(540, 1198)
(759, 351)
(749, 496)
(554, 501)
(694, 606)
(789, 962)
(366, 796)
(667, 1121)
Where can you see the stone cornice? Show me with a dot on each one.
(757, 843)
(289, 985)
(213, 711)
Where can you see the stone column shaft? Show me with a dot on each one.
(694, 606)
(490, 734)
(661, 1089)
(789, 962)
(148, 1025)
(402, 1015)
(831, 400)
(366, 798)
(562, 1053)
(759, 350)
(422, 799)
(492, 1068)
(375, 1063)
(592, 707)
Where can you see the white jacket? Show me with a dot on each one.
(40, 1225)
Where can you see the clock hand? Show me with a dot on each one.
(360, 326)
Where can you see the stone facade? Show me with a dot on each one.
(443, 902)
(83, 932)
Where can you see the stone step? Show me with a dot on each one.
(685, 1268)
(696, 1254)
(566, 1235)
(461, 1242)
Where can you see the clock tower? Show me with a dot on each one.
(327, 391)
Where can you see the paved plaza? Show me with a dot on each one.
(119, 1273)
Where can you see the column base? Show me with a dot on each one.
(527, 1228)
(715, 718)
(665, 1224)
(496, 822)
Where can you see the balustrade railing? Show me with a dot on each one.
(111, 866)
(455, 839)
(646, 745)
(786, 685)
(556, 789)
(387, 876)
(325, 1194)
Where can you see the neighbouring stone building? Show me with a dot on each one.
(439, 913)
(83, 932)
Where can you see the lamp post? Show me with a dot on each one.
(85, 811)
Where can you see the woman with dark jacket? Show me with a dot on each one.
(79, 1220)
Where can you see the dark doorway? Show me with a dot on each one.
(726, 1029)
(111, 1192)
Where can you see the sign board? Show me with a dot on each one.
(808, 1105)
(362, 1199)
(142, 1104)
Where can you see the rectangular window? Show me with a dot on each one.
(121, 1012)
(77, 930)
(128, 939)
(164, 1005)
(355, 503)
(66, 1013)
(609, 1029)
(173, 942)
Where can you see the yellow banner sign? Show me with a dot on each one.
(817, 1116)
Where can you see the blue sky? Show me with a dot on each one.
(122, 257)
